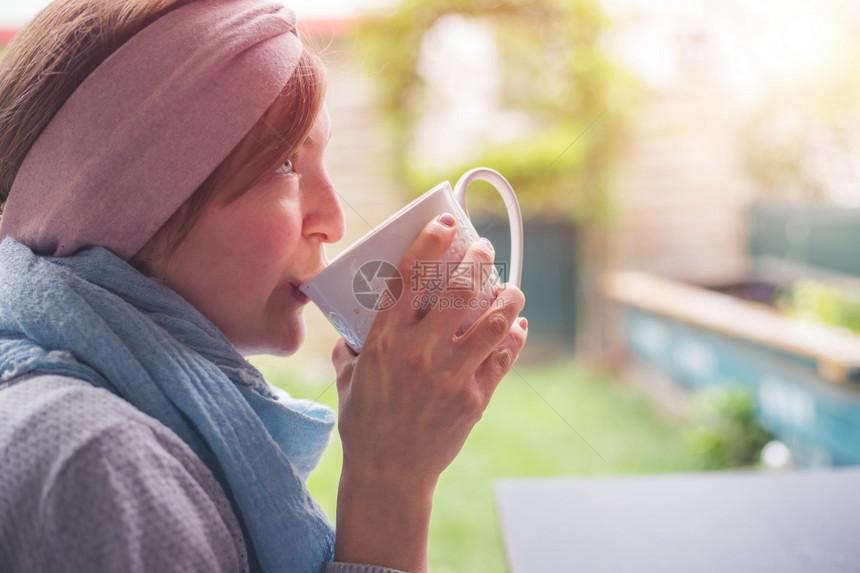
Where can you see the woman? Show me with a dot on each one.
(161, 165)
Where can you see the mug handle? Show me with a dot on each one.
(515, 217)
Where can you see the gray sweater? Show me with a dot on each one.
(90, 483)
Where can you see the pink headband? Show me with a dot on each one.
(149, 125)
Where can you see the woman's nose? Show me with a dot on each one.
(324, 218)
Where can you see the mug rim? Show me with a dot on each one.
(361, 241)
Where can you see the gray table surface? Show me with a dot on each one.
(800, 521)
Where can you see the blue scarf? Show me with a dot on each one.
(93, 317)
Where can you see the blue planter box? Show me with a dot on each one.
(807, 396)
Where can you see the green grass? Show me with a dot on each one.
(537, 425)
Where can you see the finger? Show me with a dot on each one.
(463, 291)
(502, 358)
(488, 332)
(416, 268)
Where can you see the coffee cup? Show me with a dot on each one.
(363, 280)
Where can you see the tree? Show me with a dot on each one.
(556, 71)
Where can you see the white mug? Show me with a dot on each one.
(363, 279)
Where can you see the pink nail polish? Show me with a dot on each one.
(524, 323)
(447, 220)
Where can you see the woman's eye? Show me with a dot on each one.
(286, 168)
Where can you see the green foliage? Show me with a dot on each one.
(555, 71)
(725, 433)
(824, 303)
(547, 181)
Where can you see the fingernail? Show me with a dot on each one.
(447, 220)
(486, 242)
(524, 324)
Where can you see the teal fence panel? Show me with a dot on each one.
(824, 236)
(549, 278)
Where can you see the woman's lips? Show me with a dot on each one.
(298, 294)
(298, 283)
(309, 276)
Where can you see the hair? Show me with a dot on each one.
(48, 59)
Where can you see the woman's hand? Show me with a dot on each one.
(409, 401)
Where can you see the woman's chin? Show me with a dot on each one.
(292, 338)
(283, 343)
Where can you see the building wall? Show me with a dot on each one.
(681, 194)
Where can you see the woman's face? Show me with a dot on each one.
(241, 261)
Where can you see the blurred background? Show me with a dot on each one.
(689, 173)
